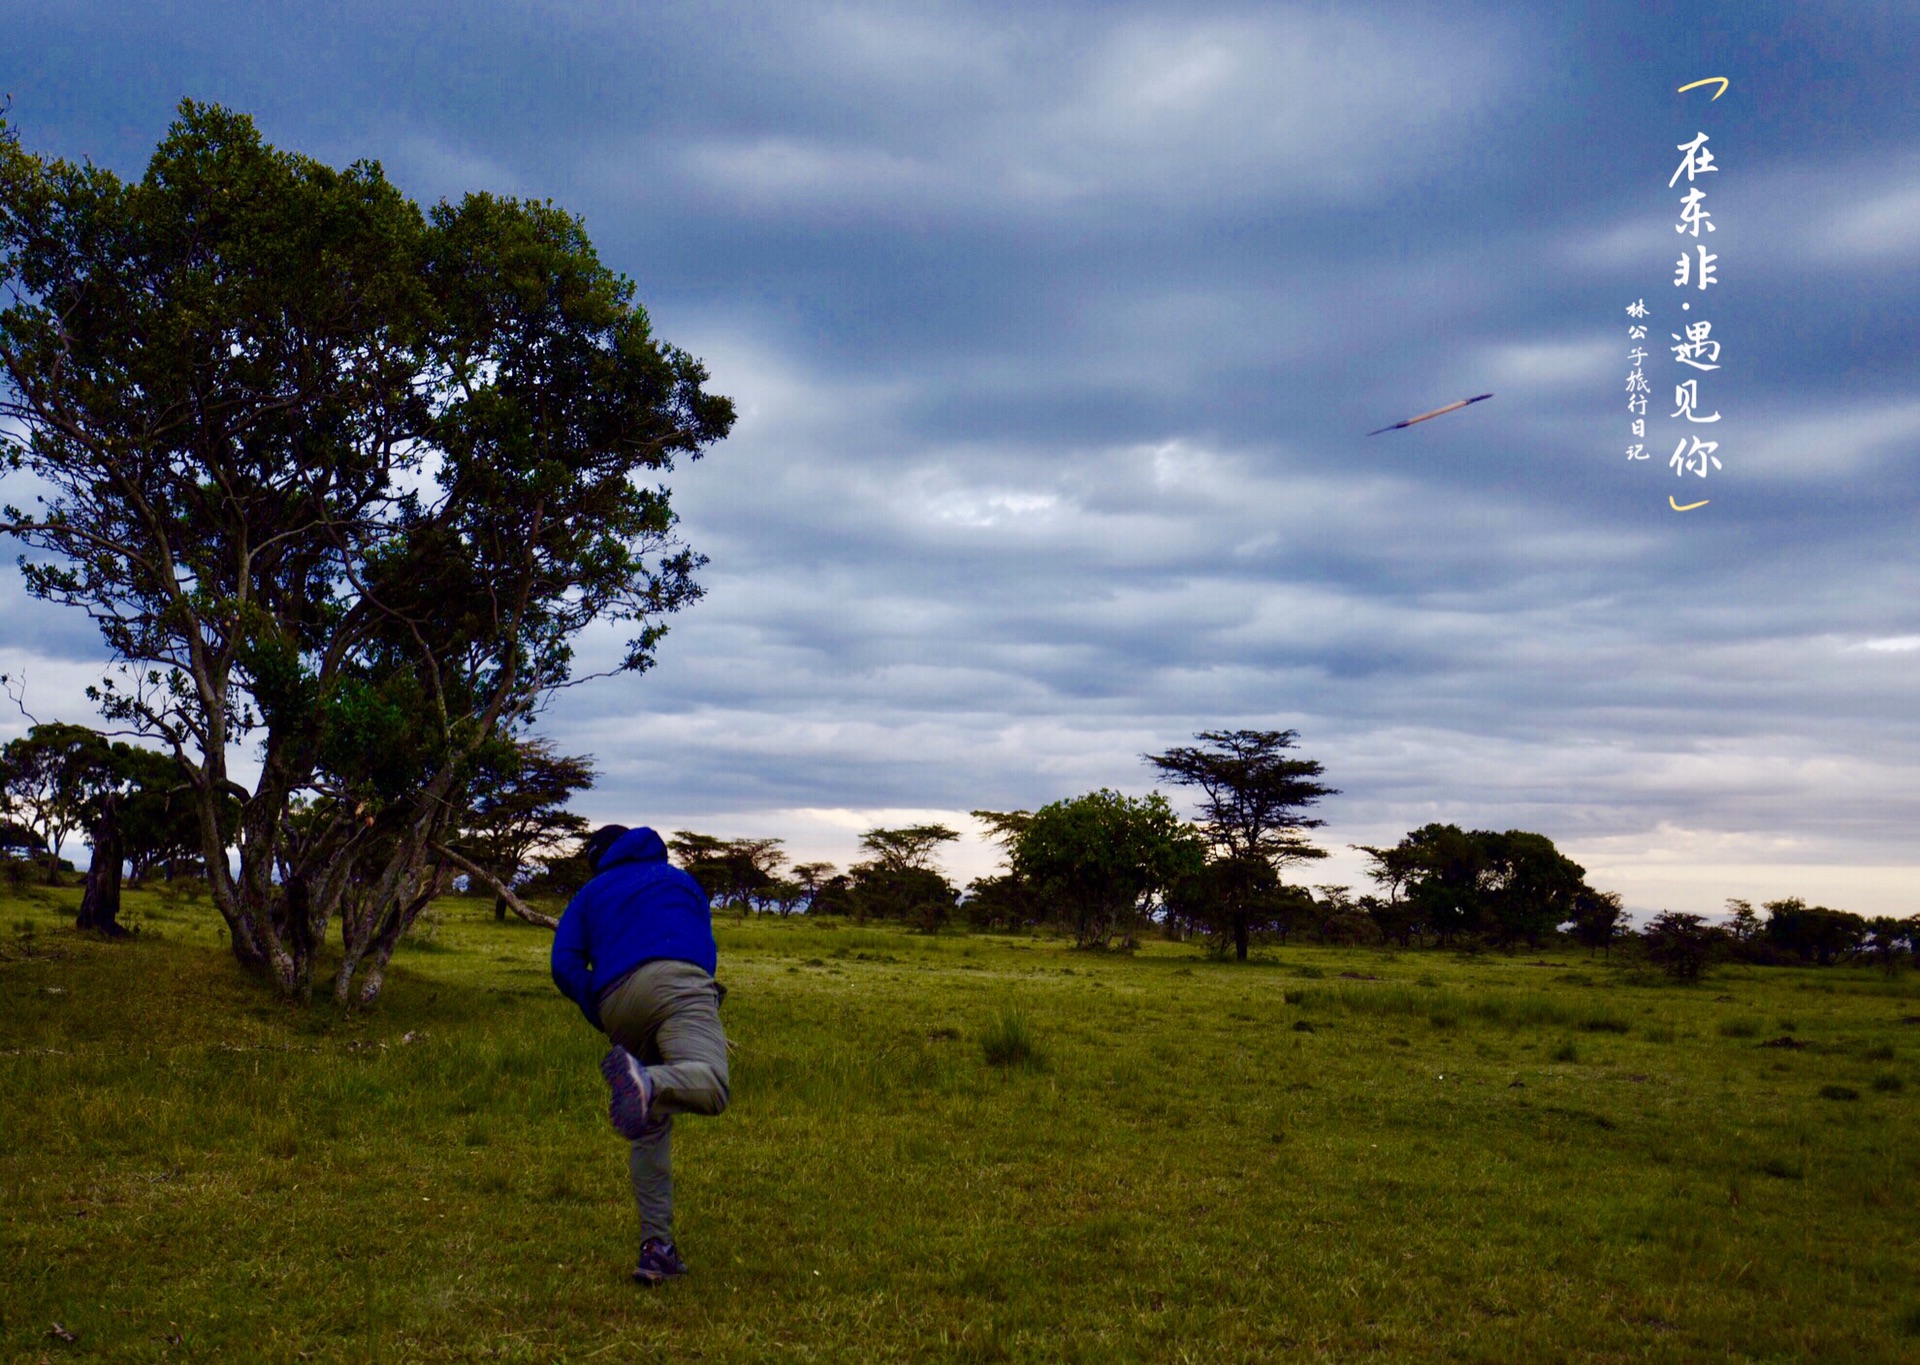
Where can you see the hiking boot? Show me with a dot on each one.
(659, 1262)
(632, 1091)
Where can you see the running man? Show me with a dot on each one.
(635, 952)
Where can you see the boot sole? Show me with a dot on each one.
(627, 1111)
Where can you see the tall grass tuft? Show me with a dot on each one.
(1009, 1042)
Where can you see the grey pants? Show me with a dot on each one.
(667, 1014)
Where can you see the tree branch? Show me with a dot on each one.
(500, 888)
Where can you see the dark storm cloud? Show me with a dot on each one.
(1054, 335)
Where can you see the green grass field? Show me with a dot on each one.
(1481, 1158)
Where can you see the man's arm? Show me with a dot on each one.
(572, 960)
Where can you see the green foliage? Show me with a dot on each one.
(1103, 858)
(51, 779)
(920, 896)
(337, 478)
(59, 780)
(1510, 887)
(1597, 918)
(1237, 902)
(1813, 933)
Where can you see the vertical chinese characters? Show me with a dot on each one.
(1637, 389)
(1694, 346)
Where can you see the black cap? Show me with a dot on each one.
(600, 841)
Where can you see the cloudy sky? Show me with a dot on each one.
(1056, 333)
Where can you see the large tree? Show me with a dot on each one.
(60, 780)
(1530, 888)
(1512, 885)
(50, 779)
(1813, 933)
(1254, 798)
(1103, 858)
(335, 478)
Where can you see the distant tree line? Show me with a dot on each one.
(1791, 933)
(1104, 868)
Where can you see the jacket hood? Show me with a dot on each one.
(635, 846)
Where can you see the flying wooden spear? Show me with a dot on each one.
(1437, 412)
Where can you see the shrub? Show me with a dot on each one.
(1008, 1042)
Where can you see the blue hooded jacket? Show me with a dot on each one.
(638, 908)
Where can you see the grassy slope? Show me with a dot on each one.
(193, 1171)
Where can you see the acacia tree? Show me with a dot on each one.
(736, 872)
(335, 478)
(808, 879)
(516, 810)
(50, 777)
(1597, 919)
(899, 880)
(1252, 810)
(1680, 944)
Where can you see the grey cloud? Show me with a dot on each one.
(1055, 335)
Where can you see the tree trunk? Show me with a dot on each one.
(299, 911)
(100, 902)
(1241, 934)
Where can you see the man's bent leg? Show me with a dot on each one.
(667, 1013)
(691, 1077)
(650, 1164)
